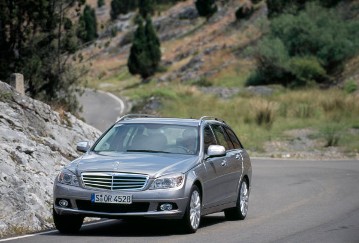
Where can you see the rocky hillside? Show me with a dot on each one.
(35, 142)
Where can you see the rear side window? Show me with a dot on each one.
(222, 138)
(208, 138)
(236, 143)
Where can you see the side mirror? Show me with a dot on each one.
(216, 151)
(83, 146)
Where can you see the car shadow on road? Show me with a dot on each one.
(142, 227)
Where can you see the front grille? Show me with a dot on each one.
(112, 208)
(114, 181)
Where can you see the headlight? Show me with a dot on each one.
(68, 178)
(168, 181)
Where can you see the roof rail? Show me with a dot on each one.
(131, 116)
(203, 118)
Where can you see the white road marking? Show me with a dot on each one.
(51, 231)
(120, 101)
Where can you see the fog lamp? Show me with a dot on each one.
(63, 203)
(166, 207)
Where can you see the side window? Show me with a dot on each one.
(237, 144)
(208, 138)
(222, 138)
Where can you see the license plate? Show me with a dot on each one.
(110, 198)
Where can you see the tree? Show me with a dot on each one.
(145, 53)
(277, 7)
(37, 39)
(88, 25)
(206, 8)
(146, 8)
(122, 7)
(100, 3)
(245, 11)
(306, 47)
(153, 44)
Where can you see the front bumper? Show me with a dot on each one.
(148, 201)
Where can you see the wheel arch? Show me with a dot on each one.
(199, 185)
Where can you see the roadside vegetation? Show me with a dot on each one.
(303, 54)
(306, 76)
(331, 115)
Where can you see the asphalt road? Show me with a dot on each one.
(101, 109)
(291, 201)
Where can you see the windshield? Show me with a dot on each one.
(150, 138)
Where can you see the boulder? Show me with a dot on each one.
(35, 143)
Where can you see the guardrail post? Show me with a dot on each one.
(17, 81)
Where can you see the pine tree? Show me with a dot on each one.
(115, 9)
(88, 25)
(37, 39)
(146, 8)
(100, 3)
(206, 8)
(145, 53)
(122, 7)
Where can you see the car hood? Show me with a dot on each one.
(154, 165)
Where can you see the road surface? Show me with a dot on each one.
(291, 201)
(101, 109)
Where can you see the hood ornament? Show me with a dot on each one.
(116, 165)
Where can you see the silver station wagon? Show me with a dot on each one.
(167, 168)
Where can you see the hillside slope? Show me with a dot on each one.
(35, 143)
(207, 63)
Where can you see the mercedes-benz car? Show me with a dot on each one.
(167, 168)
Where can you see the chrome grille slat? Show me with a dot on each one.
(114, 181)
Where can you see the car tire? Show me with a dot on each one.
(67, 224)
(239, 212)
(192, 218)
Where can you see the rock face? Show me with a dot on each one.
(35, 142)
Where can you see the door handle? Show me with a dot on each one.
(239, 156)
(224, 163)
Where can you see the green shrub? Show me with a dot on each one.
(206, 8)
(100, 3)
(331, 134)
(305, 48)
(273, 64)
(5, 96)
(245, 11)
(202, 82)
(278, 7)
(306, 70)
(350, 86)
(264, 112)
(319, 32)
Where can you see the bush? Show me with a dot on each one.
(100, 3)
(331, 134)
(245, 11)
(264, 112)
(206, 8)
(278, 7)
(350, 86)
(305, 48)
(307, 71)
(273, 60)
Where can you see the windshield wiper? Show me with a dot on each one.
(147, 150)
